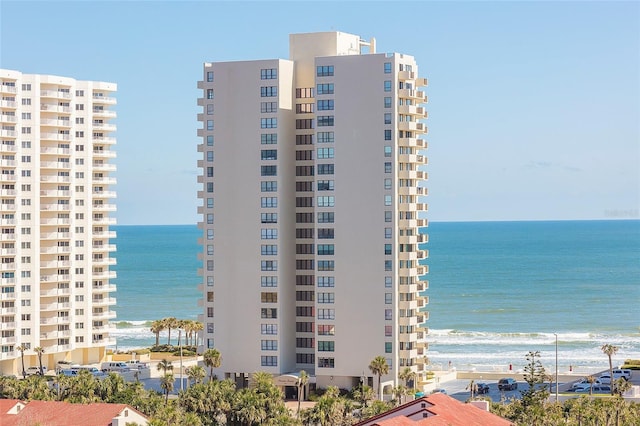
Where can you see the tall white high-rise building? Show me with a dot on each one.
(55, 200)
(312, 204)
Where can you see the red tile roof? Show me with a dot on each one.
(55, 413)
(436, 410)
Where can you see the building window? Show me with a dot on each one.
(269, 154)
(387, 200)
(325, 233)
(326, 217)
(268, 234)
(209, 109)
(326, 249)
(306, 108)
(325, 120)
(387, 249)
(209, 93)
(269, 249)
(268, 170)
(387, 85)
(387, 135)
(268, 91)
(388, 331)
(306, 123)
(325, 185)
(387, 102)
(209, 140)
(269, 217)
(388, 314)
(269, 138)
(269, 345)
(325, 169)
(268, 123)
(326, 362)
(268, 281)
(388, 347)
(268, 313)
(326, 137)
(387, 182)
(268, 107)
(326, 330)
(269, 329)
(326, 265)
(269, 186)
(326, 89)
(324, 153)
(325, 105)
(325, 346)
(269, 265)
(326, 297)
(324, 70)
(326, 281)
(268, 74)
(326, 201)
(387, 118)
(326, 314)
(387, 167)
(209, 76)
(388, 299)
(269, 361)
(304, 155)
(387, 68)
(305, 92)
(209, 124)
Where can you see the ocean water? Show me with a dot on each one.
(497, 290)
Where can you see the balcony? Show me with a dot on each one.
(105, 288)
(6, 118)
(4, 88)
(406, 75)
(104, 234)
(104, 248)
(104, 194)
(54, 221)
(55, 193)
(5, 147)
(106, 127)
(54, 108)
(106, 100)
(8, 266)
(55, 122)
(55, 292)
(57, 94)
(7, 296)
(54, 150)
(105, 261)
(102, 153)
(417, 95)
(55, 178)
(104, 208)
(104, 221)
(103, 301)
(8, 207)
(7, 325)
(9, 310)
(105, 275)
(104, 167)
(8, 133)
(104, 113)
(104, 140)
(103, 315)
(55, 165)
(55, 250)
(104, 180)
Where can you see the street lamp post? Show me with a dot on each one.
(556, 366)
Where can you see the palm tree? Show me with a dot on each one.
(39, 351)
(170, 323)
(166, 383)
(197, 327)
(591, 379)
(303, 379)
(165, 366)
(472, 387)
(610, 350)
(157, 327)
(22, 348)
(196, 374)
(407, 375)
(378, 367)
(212, 359)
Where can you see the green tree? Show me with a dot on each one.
(196, 374)
(157, 327)
(534, 375)
(170, 323)
(610, 350)
(166, 384)
(379, 367)
(39, 351)
(22, 347)
(408, 375)
(303, 379)
(212, 359)
(164, 365)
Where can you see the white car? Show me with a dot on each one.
(31, 371)
(584, 382)
(605, 378)
(623, 372)
(582, 387)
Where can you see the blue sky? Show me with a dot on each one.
(534, 107)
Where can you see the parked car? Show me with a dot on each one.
(602, 389)
(623, 372)
(507, 384)
(115, 366)
(585, 382)
(605, 378)
(137, 365)
(483, 388)
(439, 390)
(31, 371)
(581, 387)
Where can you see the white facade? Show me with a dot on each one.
(312, 199)
(56, 201)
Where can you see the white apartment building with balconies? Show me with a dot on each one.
(313, 188)
(56, 158)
